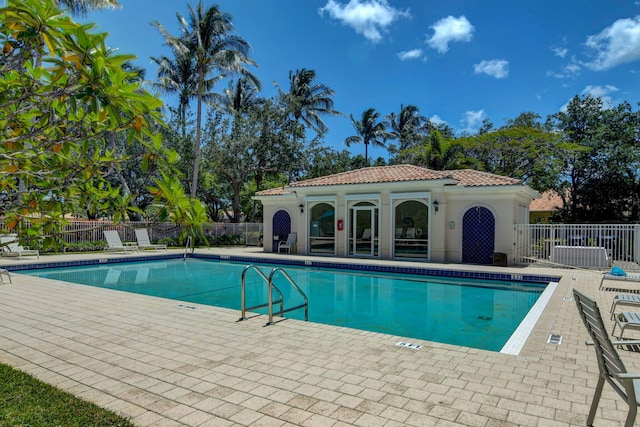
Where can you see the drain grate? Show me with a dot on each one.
(567, 299)
(409, 345)
(485, 317)
(554, 339)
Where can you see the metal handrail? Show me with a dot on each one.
(269, 304)
(186, 247)
(296, 287)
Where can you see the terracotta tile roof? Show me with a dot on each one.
(549, 201)
(399, 173)
(278, 191)
(474, 178)
(375, 175)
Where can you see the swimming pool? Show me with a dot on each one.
(471, 312)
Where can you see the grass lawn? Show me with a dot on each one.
(26, 401)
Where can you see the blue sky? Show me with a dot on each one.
(458, 61)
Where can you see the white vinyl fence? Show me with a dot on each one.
(92, 231)
(594, 246)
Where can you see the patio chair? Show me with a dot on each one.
(142, 236)
(289, 244)
(624, 299)
(11, 247)
(611, 367)
(618, 273)
(114, 244)
(624, 320)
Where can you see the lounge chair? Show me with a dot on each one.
(114, 244)
(618, 273)
(611, 367)
(11, 247)
(624, 299)
(289, 244)
(142, 236)
(624, 320)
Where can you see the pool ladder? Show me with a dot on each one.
(272, 288)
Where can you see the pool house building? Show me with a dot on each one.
(398, 212)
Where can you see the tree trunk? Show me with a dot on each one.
(196, 144)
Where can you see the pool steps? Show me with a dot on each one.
(270, 301)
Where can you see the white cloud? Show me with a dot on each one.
(602, 92)
(616, 44)
(599, 91)
(560, 51)
(472, 120)
(371, 18)
(437, 120)
(570, 70)
(450, 29)
(498, 68)
(410, 54)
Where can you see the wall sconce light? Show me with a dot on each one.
(301, 207)
(435, 206)
(452, 224)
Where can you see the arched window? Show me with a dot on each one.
(411, 230)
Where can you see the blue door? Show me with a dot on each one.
(281, 224)
(478, 236)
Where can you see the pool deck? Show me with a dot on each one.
(161, 363)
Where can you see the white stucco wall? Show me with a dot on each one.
(508, 204)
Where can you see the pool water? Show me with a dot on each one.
(473, 313)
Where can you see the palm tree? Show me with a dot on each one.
(240, 97)
(307, 100)
(369, 131)
(82, 7)
(208, 37)
(177, 76)
(407, 127)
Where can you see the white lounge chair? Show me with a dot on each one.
(114, 244)
(619, 274)
(11, 247)
(288, 244)
(142, 236)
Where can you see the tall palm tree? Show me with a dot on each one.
(177, 76)
(240, 97)
(308, 100)
(82, 7)
(407, 125)
(369, 131)
(207, 35)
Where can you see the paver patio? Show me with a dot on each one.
(162, 364)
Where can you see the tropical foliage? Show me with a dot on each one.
(63, 96)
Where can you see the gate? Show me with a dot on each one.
(281, 228)
(478, 236)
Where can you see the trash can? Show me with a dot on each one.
(500, 258)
